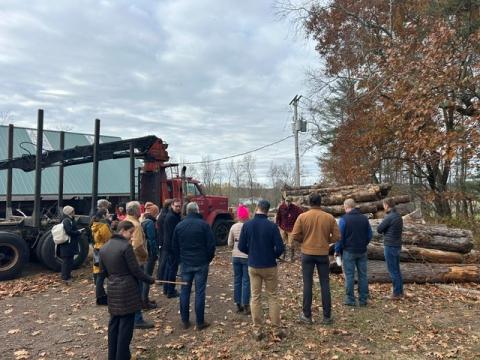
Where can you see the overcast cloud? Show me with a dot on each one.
(210, 77)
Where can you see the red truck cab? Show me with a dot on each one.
(156, 187)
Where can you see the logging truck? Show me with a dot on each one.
(24, 236)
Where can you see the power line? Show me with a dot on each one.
(241, 154)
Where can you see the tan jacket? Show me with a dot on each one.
(138, 241)
(315, 229)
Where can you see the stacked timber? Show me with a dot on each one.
(430, 253)
(421, 273)
(369, 198)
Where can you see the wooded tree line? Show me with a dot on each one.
(239, 180)
(397, 96)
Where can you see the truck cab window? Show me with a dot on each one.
(193, 189)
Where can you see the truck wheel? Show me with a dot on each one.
(220, 230)
(53, 262)
(38, 248)
(14, 254)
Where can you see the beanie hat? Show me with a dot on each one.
(68, 210)
(242, 212)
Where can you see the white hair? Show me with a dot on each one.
(133, 208)
(349, 203)
(192, 208)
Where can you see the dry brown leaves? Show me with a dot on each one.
(32, 285)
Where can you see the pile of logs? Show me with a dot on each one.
(430, 253)
(369, 198)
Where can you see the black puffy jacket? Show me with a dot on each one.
(118, 262)
(391, 227)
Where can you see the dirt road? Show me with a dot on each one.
(44, 319)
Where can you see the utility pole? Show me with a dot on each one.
(296, 128)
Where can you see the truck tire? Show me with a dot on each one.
(38, 248)
(14, 254)
(54, 263)
(221, 228)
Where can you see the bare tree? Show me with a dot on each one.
(249, 168)
(209, 172)
(281, 174)
(5, 117)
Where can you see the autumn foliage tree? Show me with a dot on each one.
(414, 102)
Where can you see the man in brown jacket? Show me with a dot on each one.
(140, 249)
(118, 263)
(315, 230)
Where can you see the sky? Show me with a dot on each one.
(211, 77)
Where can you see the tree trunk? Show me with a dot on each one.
(425, 273)
(473, 257)
(337, 195)
(438, 237)
(364, 207)
(417, 254)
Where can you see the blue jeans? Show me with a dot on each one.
(309, 263)
(99, 280)
(152, 259)
(138, 314)
(392, 259)
(200, 275)
(241, 281)
(351, 261)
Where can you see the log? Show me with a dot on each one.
(473, 257)
(426, 273)
(337, 195)
(338, 210)
(438, 237)
(365, 207)
(384, 187)
(417, 254)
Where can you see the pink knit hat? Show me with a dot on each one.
(242, 212)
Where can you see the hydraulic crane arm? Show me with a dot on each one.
(149, 148)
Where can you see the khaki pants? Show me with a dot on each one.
(270, 277)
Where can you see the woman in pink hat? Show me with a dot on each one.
(241, 280)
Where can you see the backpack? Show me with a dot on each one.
(59, 235)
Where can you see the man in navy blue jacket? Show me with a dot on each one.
(194, 249)
(356, 233)
(261, 240)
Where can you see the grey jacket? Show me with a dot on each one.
(391, 227)
(120, 265)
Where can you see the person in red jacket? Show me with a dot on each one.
(287, 214)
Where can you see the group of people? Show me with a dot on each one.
(128, 259)
(259, 244)
(126, 253)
